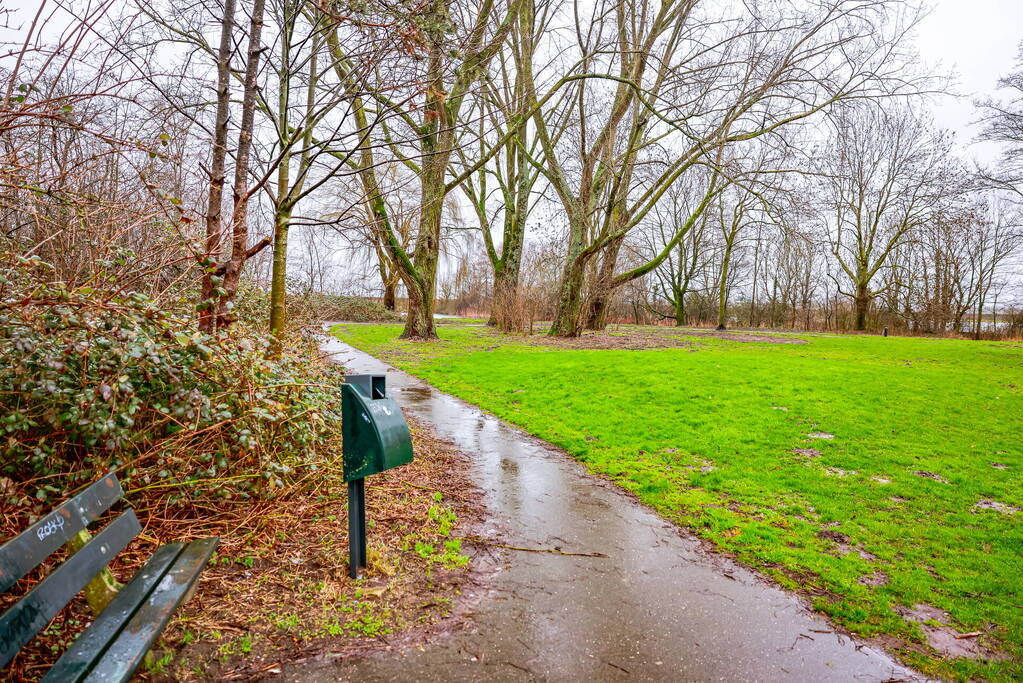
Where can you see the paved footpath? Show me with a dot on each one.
(659, 607)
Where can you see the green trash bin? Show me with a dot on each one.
(376, 435)
(376, 438)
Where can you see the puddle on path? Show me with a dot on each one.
(658, 607)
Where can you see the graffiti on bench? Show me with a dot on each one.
(51, 527)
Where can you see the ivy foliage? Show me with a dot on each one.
(95, 378)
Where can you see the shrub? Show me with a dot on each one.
(93, 379)
(311, 308)
(339, 308)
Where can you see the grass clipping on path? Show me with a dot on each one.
(278, 588)
(880, 477)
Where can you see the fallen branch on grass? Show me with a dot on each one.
(971, 634)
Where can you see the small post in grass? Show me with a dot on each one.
(375, 438)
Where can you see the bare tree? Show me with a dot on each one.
(453, 61)
(505, 135)
(885, 174)
(676, 276)
(669, 86)
(218, 168)
(733, 213)
(1003, 123)
(241, 191)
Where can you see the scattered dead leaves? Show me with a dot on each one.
(279, 588)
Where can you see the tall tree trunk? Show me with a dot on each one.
(388, 274)
(499, 307)
(287, 194)
(389, 295)
(509, 266)
(566, 316)
(723, 288)
(603, 287)
(282, 205)
(436, 145)
(861, 302)
(218, 173)
(388, 253)
(680, 308)
(240, 192)
(278, 278)
(419, 320)
(566, 319)
(422, 289)
(502, 305)
(754, 318)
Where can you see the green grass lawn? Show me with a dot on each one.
(714, 436)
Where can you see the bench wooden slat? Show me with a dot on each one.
(20, 623)
(27, 550)
(87, 649)
(125, 654)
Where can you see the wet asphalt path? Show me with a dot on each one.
(658, 608)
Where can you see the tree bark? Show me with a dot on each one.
(278, 279)
(422, 285)
(437, 138)
(419, 320)
(240, 192)
(218, 163)
(723, 289)
(509, 267)
(566, 318)
(288, 194)
(861, 303)
(603, 287)
(726, 262)
(680, 309)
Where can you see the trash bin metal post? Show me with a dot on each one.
(356, 527)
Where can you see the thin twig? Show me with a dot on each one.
(556, 551)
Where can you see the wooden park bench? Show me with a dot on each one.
(113, 646)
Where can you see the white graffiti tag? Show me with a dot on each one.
(51, 527)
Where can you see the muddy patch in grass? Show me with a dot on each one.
(932, 475)
(608, 341)
(744, 337)
(656, 338)
(943, 637)
(877, 578)
(995, 506)
(834, 536)
(844, 545)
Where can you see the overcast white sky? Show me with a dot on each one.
(978, 39)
